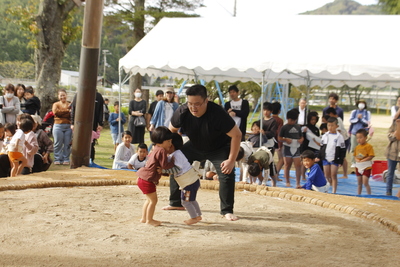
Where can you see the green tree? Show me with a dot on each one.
(17, 69)
(50, 27)
(390, 6)
(130, 16)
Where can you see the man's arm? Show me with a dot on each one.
(236, 136)
(175, 130)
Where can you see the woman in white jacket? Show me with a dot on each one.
(9, 105)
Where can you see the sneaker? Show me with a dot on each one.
(66, 163)
(57, 163)
(112, 157)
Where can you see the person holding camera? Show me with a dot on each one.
(9, 105)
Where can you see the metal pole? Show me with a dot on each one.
(86, 95)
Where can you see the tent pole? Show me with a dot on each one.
(120, 104)
(261, 108)
(181, 88)
(220, 93)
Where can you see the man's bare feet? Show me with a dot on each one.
(154, 223)
(172, 208)
(193, 220)
(231, 217)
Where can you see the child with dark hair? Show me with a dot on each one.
(138, 160)
(323, 128)
(149, 175)
(315, 177)
(276, 110)
(363, 155)
(332, 113)
(117, 120)
(261, 160)
(332, 153)
(269, 126)
(256, 136)
(124, 152)
(32, 103)
(9, 131)
(187, 178)
(15, 148)
(292, 137)
(312, 140)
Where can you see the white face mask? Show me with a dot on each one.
(9, 95)
(361, 106)
(138, 95)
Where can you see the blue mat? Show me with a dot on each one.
(347, 187)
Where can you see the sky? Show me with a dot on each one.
(251, 8)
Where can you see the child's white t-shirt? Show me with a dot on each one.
(331, 141)
(19, 135)
(181, 161)
(136, 163)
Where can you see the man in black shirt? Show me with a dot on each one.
(213, 135)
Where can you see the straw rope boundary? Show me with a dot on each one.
(260, 190)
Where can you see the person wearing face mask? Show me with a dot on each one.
(137, 108)
(9, 105)
(360, 118)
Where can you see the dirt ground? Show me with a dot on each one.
(87, 225)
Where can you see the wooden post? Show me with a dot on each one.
(86, 95)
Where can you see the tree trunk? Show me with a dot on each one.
(138, 33)
(50, 49)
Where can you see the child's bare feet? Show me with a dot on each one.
(142, 220)
(154, 223)
(288, 185)
(279, 179)
(193, 220)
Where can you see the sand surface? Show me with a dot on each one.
(99, 226)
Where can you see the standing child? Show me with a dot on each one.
(255, 135)
(149, 176)
(292, 137)
(16, 146)
(276, 110)
(124, 152)
(138, 160)
(187, 178)
(115, 119)
(269, 126)
(9, 131)
(315, 177)
(332, 113)
(363, 155)
(332, 152)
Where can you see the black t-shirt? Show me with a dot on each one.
(207, 133)
(152, 107)
(291, 131)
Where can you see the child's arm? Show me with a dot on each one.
(174, 170)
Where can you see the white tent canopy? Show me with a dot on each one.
(323, 50)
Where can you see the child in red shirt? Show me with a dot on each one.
(149, 174)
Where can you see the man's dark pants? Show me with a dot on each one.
(226, 181)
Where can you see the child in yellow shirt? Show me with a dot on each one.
(363, 154)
